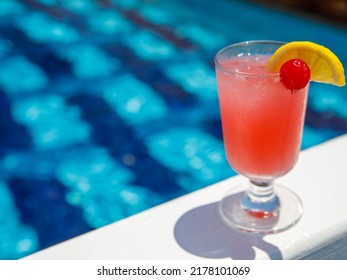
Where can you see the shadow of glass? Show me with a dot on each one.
(201, 232)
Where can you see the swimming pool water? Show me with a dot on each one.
(110, 107)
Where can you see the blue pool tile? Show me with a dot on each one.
(110, 130)
(93, 170)
(152, 74)
(5, 47)
(40, 56)
(16, 239)
(127, 4)
(207, 39)
(18, 75)
(89, 61)
(10, 8)
(195, 77)
(157, 15)
(41, 28)
(47, 2)
(197, 157)
(325, 98)
(52, 124)
(102, 187)
(149, 46)
(314, 136)
(79, 6)
(15, 164)
(109, 22)
(14, 136)
(133, 100)
(100, 209)
(49, 195)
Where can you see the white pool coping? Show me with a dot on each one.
(188, 227)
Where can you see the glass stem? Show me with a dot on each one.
(260, 197)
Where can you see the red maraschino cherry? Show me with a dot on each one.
(295, 74)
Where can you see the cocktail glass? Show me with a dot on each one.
(262, 123)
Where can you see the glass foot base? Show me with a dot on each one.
(236, 216)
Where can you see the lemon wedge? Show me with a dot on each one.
(325, 66)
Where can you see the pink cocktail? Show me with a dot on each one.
(262, 124)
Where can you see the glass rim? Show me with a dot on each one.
(243, 73)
